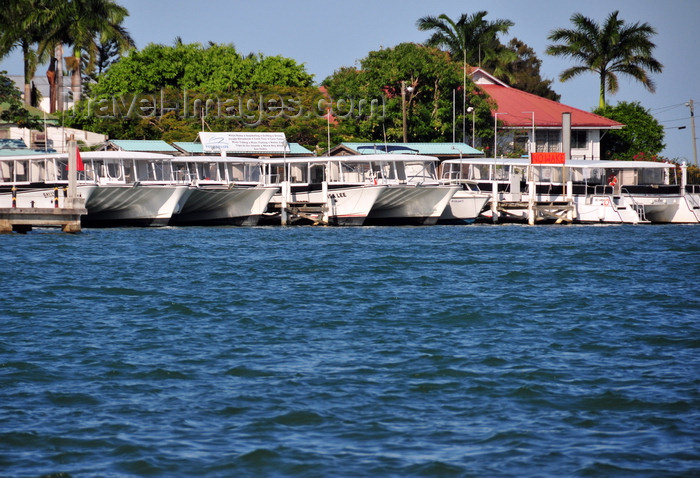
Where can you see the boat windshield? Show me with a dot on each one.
(356, 172)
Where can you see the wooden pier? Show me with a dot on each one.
(23, 219)
(315, 213)
(533, 212)
(538, 211)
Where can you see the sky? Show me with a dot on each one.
(325, 35)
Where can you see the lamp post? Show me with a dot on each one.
(473, 112)
(495, 133)
(532, 143)
(404, 89)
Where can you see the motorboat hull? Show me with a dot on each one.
(463, 208)
(408, 204)
(345, 205)
(223, 205)
(132, 205)
(672, 210)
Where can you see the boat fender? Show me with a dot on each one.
(612, 180)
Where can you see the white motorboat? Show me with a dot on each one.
(585, 191)
(338, 190)
(468, 202)
(683, 199)
(133, 189)
(414, 194)
(38, 181)
(223, 191)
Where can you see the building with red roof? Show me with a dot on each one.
(530, 120)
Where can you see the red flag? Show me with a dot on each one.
(79, 166)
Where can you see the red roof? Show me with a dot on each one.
(519, 105)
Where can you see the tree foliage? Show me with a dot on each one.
(108, 52)
(174, 114)
(173, 92)
(430, 78)
(475, 41)
(471, 39)
(608, 49)
(524, 72)
(20, 29)
(81, 24)
(214, 68)
(11, 106)
(38, 26)
(641, 136)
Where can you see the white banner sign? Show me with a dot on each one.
(244, 142)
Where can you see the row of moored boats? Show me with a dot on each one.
(148, 189)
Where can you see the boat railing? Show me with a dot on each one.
(603, 190)
(455, 181)
(550, 189)
(184, 177)
(694, 200)
(639, 208)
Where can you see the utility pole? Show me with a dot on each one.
(692, 130)
(404, 89)
(403, 110)
(464, 98)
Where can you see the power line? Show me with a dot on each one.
(668, 108)
(671, 120)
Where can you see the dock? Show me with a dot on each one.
(538, 211)
(24, 219)
(315, 213)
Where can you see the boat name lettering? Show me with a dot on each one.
(337, 195)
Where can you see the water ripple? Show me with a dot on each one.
(442, 351)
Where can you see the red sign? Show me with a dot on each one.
(547, 158)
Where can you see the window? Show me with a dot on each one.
(520, 141)
(548, 140)
(579, 139)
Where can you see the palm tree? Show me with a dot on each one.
(83, 24)
(607, 49)
(18, 30)
(471, 39)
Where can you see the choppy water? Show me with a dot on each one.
(316, 352)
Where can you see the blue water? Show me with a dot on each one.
(315, 352)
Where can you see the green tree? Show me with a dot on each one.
(108, 52)
(172, 92)
(430, 78)
(471, 39)
(20, 29)
(175, 114)
(83, 24)
(608, 49)
(11, 106)
(214, 68)
(642, 135)
(525, 72)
